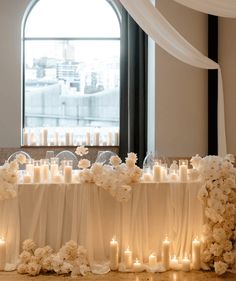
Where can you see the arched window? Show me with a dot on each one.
(71, 59)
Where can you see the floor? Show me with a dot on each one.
(114, 276)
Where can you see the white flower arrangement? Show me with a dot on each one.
(117, 178)
(71, 258)
(8, 177)
(218, 196)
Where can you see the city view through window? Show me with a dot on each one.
(71, 75)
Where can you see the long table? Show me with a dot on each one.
(52, 214)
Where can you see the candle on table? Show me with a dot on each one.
(57, 178)
(137, 266)
(183, 170)
(45, 136)
(152, 260)
(173, 176)
(166, 253)
(87, 138)
(25, 137)
(157, 173)
(37, 172)
(128, 258)
(147, 177)
(29, 167)
(114, 254)
(174, 263)
(116, 138)
(109, 138)
(54, 168)
(67, 172)
(186, 264)
(196, 260)
(2, 253)
(26, 178)
(96, 137)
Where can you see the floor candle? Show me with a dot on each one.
(137, 266)
(128, 258)
(166, 253)
(152, 260)
(2, 254)
(196, 260)
(114, 254)
(174, 264)
(186, 264)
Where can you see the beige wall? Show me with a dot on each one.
(227, 61)
(11, 13)
(181, 90)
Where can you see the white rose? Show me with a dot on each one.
(129, 163)
(34, 269)
(115, 160)
(228, 257)
(220, 267)
(219, 234)
(21, 158)
(46, 264)
(39, 253)
(227, 245)
(84, 164)
(81, 150)
(22, 268)
(132, 156)
(29, 245)
(216, 249)
(25, 257)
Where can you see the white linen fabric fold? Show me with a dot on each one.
(222, 8)
(52, 214)
(167, 37)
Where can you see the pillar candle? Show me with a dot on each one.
(57, 178)
(109, 138)
(174, 263)
(25, 137)
(166, 253)
(196, 260)
(67, 138)
(45, 136)
(96, 138)
(54, 169)
(29, 168)
(116, 138)
(67, 173)
(147, 177)
(45, 172)
(128, 258)
(2, 254)
(37, 172)
(183, 170)
(26, 178)
(56, 138)
(152, 260)
(157, 173)
(71, 138)
(88, 138)
(114, 254)
(186, 264)
(137, 266)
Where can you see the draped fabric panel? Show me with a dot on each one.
(167, 37)
(222, 8)
(52, 214)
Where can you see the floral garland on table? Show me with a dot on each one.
(71, 258)
(8, 177)
(218, 196)
(116, 178)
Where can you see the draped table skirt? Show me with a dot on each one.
(52, 214)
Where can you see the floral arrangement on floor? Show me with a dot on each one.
(8, 177)
(117, 178)
(70, 259)
(218, 196)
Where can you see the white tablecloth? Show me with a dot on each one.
(52, 214)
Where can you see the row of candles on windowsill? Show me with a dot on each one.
(159, 172)
(43, 170)
(173, 263)
(89, 138)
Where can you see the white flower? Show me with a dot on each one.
(97, 169)
(29, 245)
(213, 215)
(206, 256)
(132, 156)
(25, 257)
(84, 269)
(21, 158)
(84, 164)
(220, 267)
(228, 257)
(203, 193)
(115, 160)
(219, 234)
(69, 251)
(227, 245)
(230, 158)
(65, 268)
(46, 264)
(216, 249)
(81, 150)
(22, 268)
(193, 174)
(39, 253)
(130, 163)
(85, 176)
(195, 161)
(34, 269)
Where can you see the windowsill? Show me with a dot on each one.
(64, 146)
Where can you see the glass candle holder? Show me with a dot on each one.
(54, 167)
(37, 172)
(68, 171)
(183, 170)
(44, 170)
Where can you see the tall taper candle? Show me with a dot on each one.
(114, 254)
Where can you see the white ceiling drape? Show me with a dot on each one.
(222, 8)
(167, 37)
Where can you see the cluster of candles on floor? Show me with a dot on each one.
(46, 170)
(160, 172)
(47, 137)
(173, 263)
(2, 253)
